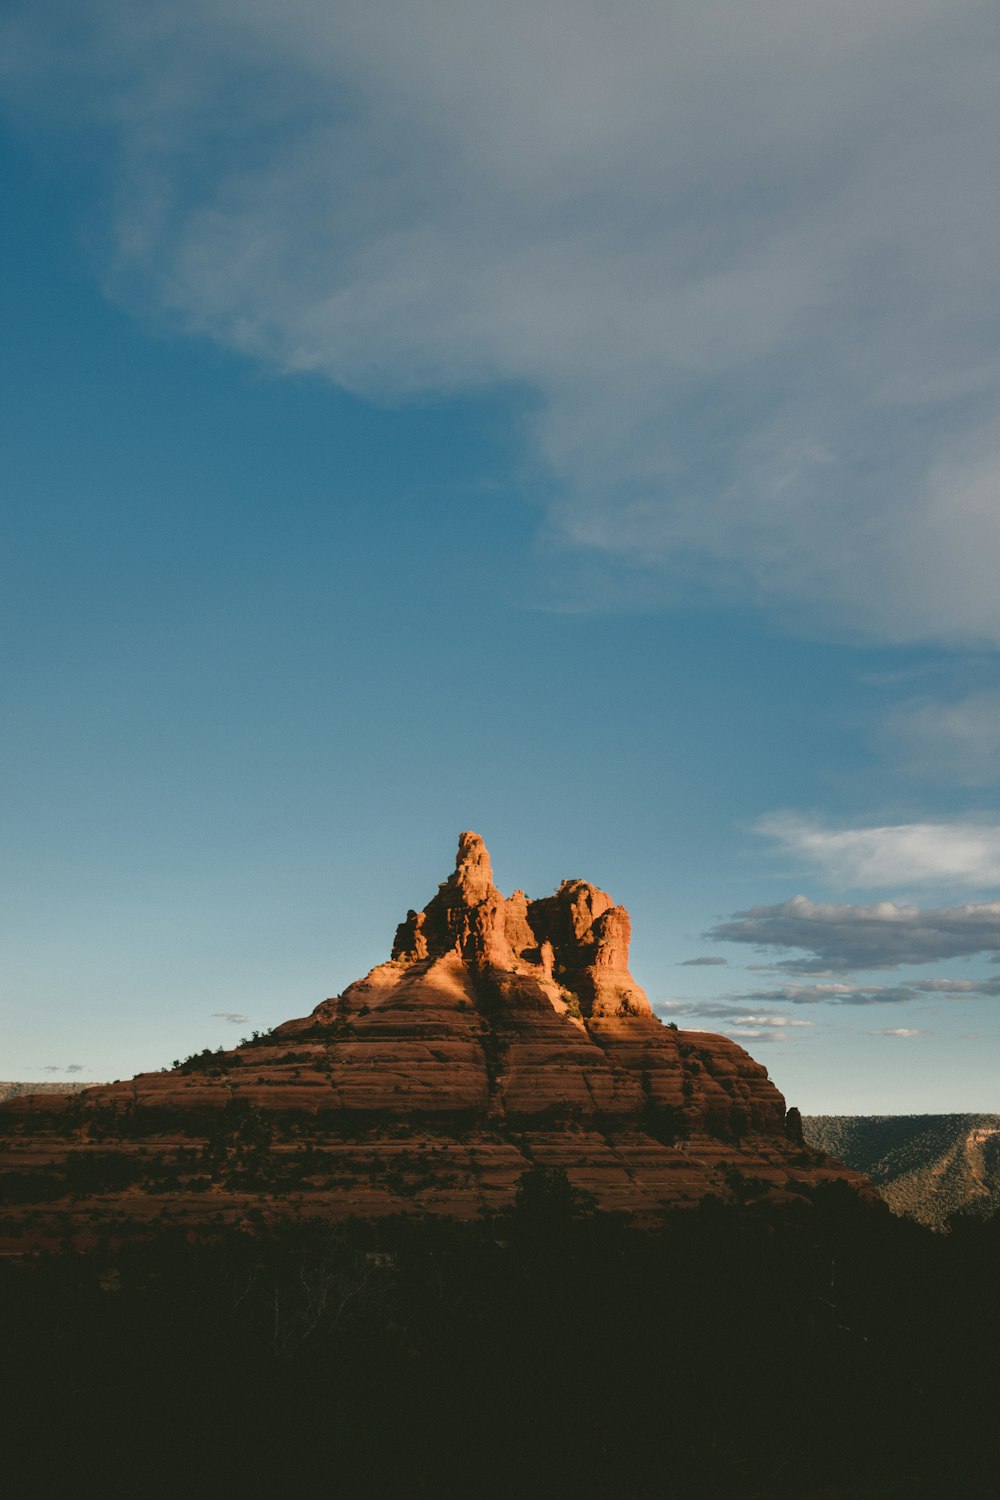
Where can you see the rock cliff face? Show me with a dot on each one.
(501, 1033)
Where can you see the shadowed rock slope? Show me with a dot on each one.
(501, 1033)
(924, 1166)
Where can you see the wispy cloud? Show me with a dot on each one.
(60, 1068)
(753, 1034)
(956, 742)
(836, 938)
(871, 994)
(739, 256)
(697, 963)
(754, 1009)
(900, 855)
(737, 1020)
(899, 1031)
(234, 1017)
(736, 1010)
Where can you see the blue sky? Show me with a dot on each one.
(576, 423)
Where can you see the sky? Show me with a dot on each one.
(577, 422)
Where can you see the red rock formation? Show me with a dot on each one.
(499, 1033)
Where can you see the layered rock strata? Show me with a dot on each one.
(500, 1033)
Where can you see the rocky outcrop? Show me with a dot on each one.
(501, 1032)
(573, 945)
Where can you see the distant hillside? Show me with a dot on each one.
(15, 1090)
(927, 1166)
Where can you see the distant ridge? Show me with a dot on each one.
(924, 1166)
(18, 1090)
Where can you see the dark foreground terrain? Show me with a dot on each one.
(829, 1350)
(481, 1226)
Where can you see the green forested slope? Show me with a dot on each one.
(927, 1166)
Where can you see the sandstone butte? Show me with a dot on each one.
(501, 1033)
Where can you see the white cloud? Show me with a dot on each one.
(756, 1020)
(234, 1017)
(753, 1034)
(762, 1028)
(900, 1031)
(901, 855)
(742, 1023)
(881, 936)
(742, 258)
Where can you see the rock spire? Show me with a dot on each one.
(573, 944)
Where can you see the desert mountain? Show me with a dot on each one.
(501, 1033)
(925, 1166)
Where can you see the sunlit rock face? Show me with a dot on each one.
(574, 945)
(501, 1032)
